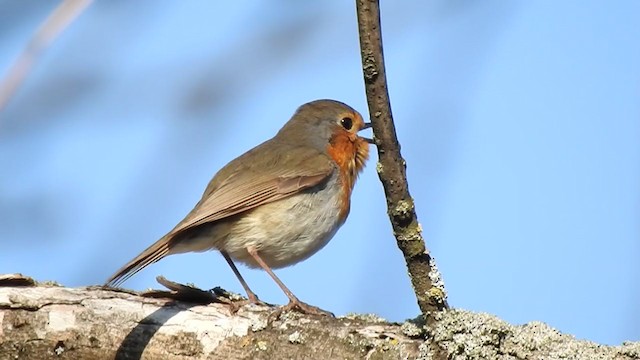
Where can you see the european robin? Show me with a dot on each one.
(278, 203)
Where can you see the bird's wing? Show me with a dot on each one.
(280, 176)
(240, 186)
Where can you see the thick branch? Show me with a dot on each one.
(49, 322)
(425, 278)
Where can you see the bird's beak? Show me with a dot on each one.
(366, 126)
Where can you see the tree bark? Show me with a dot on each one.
(51, 322)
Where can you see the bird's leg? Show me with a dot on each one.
(294, 302)
(253, 298)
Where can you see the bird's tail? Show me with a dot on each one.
(153, 253)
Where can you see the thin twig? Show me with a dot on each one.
(425, 278)
(59, 19)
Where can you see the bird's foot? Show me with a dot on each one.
(301, 307)
(236, 301)
(235, 305)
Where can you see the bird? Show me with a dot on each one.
(277, 204)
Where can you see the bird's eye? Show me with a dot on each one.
(346, 123)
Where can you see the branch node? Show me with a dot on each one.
(403, 212)
(370, 68)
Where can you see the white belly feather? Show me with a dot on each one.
(287, 231)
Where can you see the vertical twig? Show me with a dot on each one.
(425, 278)
(59, 19)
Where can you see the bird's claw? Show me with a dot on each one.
(300, 307)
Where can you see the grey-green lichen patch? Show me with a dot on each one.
(436, 279)
(413, 328)
(360, 342)
(369, 67)
(296, 338)
(379, 168)
(631, 349)
(426, 351)
(437, 292)
(379, 347)
(370, 318)
(403, 210)
(413, 232)
(436, 295)
(465, 335)
(261, 345)
(539, 337)
(290, 316)
(50, 283)
(259, 323)
(59, 348)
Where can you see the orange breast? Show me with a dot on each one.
(350, 153)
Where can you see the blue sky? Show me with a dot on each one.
(519, 121)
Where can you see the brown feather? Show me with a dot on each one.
(152, 254)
